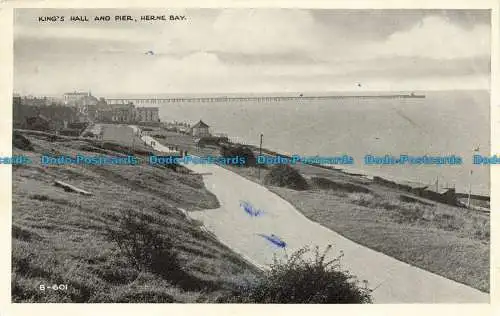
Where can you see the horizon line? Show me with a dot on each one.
(287, 93)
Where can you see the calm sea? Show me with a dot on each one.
(444, 123)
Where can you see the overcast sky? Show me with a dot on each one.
(261, 50)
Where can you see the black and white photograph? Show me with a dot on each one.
(251, 155)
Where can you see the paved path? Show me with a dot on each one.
(395, 281)
(150, 141)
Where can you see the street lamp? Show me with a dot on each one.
(260, 152)
(475, 150)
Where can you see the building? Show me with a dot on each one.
(120, 113)
(85, 104)
(127, 113)
(200, 129)
(104, 115)
(73, 98)
(35, 101)
(147, 114)
(93, 110)
(83, 101)
(123, 113)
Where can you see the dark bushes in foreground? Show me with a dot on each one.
(145, 248)
(286, 176)
(298, 281)
(149, 250)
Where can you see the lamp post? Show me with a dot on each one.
(470, 189)
(260, 152)
(475, 150)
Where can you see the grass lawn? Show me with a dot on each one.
(446, 241)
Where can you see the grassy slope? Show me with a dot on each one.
(446, 240)
(435, 242)
(59, 237)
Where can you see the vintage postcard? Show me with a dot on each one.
(251, 155)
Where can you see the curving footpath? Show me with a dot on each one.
(394, 281)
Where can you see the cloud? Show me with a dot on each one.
(251, 50)
(265, 31)
(436, 37)
(74, 32)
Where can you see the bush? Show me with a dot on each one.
(145, 248)
(239, 151)
(286, 176)
(21, 142)
(299, 281)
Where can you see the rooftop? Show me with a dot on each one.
(200, 124)
(78, 93)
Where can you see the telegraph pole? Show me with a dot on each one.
(260, 152)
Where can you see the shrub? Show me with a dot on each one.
(39, 197)
(286, 176)
(239, 151)
(298, 281)
(145, 248)
(21, 142)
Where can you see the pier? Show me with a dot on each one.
(258, 99)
